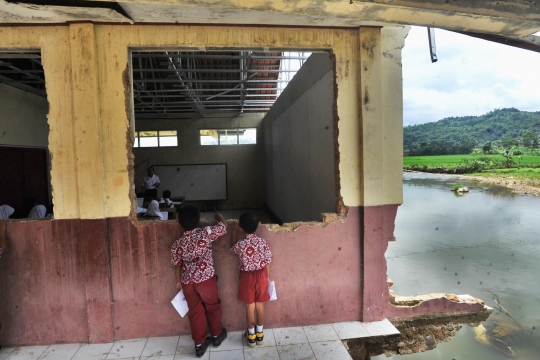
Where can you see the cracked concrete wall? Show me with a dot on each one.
(84, 68)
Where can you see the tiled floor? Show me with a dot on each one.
(317, 342)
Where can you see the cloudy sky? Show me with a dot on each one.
(472, 77)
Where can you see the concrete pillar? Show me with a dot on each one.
(381, 116)
(86, 118)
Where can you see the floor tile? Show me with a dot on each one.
(288, 336)
(227, 355)
(320, 333)
(350, 330)
(380, 328)
(234, 341)
(269, 339)
(27, 352)
(188, 352)
(160, 346)
(93, 351)
(186, 340)
(330, 350)
(4, 353)
(261, 352)
(158, 357)
(61, 352)
(126, 349)
(295, 352)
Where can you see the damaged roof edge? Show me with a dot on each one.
(13, 12)
(531, 43)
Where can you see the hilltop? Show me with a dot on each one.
(460, 134)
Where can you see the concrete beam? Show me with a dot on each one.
(516, 18)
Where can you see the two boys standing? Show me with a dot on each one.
(194, 268)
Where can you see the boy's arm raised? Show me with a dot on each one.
(220, 218)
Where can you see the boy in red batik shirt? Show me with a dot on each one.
(191, 255)
(255, 258)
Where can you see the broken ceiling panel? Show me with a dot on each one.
(20, 13)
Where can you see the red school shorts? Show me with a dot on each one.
(253, 286)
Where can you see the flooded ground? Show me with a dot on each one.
(486, 244)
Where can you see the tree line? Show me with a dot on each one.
(493, 132)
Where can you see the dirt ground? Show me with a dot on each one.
(517, 186)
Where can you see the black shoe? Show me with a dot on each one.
(217, 340)
(200, 350)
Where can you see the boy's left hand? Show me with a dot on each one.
(178, 286)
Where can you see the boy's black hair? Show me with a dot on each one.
(166, 194)
(248, 222)
(188, 217)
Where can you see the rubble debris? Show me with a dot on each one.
(417, 335)
(417, 300)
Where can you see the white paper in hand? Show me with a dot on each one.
(180, 304)
(272, 290)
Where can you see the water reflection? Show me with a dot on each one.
(486, 244)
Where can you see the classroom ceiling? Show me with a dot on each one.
(23, 70)
(209, 83)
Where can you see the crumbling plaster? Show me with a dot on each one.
(84, 66)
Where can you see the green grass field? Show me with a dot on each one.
(453, 160)
(529, 166)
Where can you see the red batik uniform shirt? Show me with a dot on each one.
(193, 251)
(253, 252)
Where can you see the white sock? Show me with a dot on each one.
(259, 328)
(198, 345)
(251, 331)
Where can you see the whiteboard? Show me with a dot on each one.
(202, 182)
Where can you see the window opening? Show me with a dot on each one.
(228, 136)
(24, 156)
(214, 102)
(161, 138)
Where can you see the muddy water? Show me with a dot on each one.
(486, 244)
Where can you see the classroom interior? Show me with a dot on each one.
(227, 130)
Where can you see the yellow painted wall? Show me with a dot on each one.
(85, 67)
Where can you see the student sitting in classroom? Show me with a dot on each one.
(153, 210)
(6, 211)
(167, 201)
(37, 212)
(255, 258)
(191, 256)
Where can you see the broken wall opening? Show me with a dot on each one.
(24, 156)
(269, 116)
